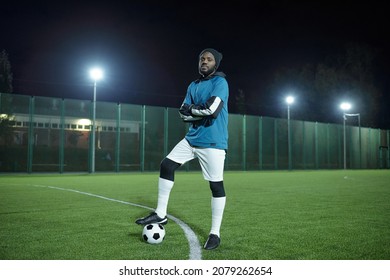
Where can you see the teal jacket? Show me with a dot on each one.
(208, 100)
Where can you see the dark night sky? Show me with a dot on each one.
(149, 49)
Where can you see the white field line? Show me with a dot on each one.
(195, 249)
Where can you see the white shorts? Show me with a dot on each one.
(211, 160)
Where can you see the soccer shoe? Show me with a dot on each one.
(212, 242)
(153, 218)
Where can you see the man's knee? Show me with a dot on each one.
(217, 189)
(167, 169)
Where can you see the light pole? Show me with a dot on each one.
(96, 74)
(289, 101)
(345, 106)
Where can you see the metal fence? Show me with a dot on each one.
(42, 134)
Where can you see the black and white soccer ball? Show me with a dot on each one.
(153, 233)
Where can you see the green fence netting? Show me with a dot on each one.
(43, 134)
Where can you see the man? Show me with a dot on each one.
(205, 107)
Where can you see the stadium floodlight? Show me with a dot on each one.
(345, 106)
(289, 101)
(96, 74)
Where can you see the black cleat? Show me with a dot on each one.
(212, 242)
(153, 218)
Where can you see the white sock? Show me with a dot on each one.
(217, 208)
(164, 189)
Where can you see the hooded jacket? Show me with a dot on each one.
(207, 100)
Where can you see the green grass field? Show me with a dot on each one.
(276, 215)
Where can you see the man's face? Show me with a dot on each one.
(206, 63)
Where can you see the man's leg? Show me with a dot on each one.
(180, 154)
(218, 201)
(165, 184)
(212, 163)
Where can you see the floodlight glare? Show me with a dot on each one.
(289, 99)
(96, 74)
(345, 106)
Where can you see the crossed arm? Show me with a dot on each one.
(192, 112)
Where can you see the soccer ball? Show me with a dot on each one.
(153, 233)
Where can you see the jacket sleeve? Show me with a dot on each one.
(211, 108)
(186, 115)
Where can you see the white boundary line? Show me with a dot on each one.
(195, 249)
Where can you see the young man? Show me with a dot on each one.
(205, 107)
